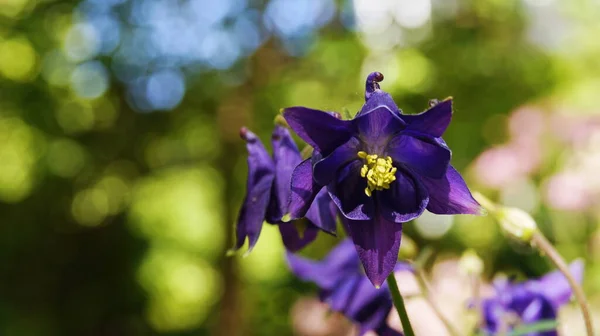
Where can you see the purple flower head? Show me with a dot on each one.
(528, 302)
(382, 168)
(346, 289)
(268, 192)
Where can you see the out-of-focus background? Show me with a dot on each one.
(121, 169)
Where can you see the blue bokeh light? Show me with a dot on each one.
(165, 89)
(89, 80)
(109, 29)
(294, 18)
(220, 49)
(150, 41)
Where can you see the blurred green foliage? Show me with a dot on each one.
(116, 222)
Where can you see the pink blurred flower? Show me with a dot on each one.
(568, 191)
(498, 166)
(526, 122)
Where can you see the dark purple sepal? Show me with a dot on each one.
(434, 121)
(323, 212)
(319, 129)
(325, 169)
(377, 243)
(450, 195)
(421, 154)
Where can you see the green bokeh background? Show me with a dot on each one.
(115, 222)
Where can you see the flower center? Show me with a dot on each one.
(379, 172)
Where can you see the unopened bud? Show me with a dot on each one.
(470, 263)
(517, 223)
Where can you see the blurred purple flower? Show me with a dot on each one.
(529, 302)
(268, 191)
(381, 169)
(347, 290)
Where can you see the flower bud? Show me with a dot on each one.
(517, 223)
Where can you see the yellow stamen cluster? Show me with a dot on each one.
(379, 172)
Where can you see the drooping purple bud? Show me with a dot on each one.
(372, 83)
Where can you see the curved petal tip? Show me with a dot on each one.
(247, 135)
(371, 84)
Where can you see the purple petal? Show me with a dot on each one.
(325, 169)
(319, 129)
(322, 213)
(533, 311)
(493, 312)
(377, 242)
(303, 189)
(365, 294)
(286, 157)
(434, 121)
(260, 180)
(293, 239)
(342, 294)
(341, 262)
(369, 306)
(555, 287)
(405, 200)
(386, 330)
(377, 99)
(450, 195)
(377, 126)
(427, 158)
(348, 193)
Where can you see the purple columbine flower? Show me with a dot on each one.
(528, 302)
(382, 168)
(268, 191)
(347, 290)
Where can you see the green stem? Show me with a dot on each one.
(399, 304)
(548, 249)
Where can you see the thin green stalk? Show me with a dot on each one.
(399, 304)
(548, 249)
